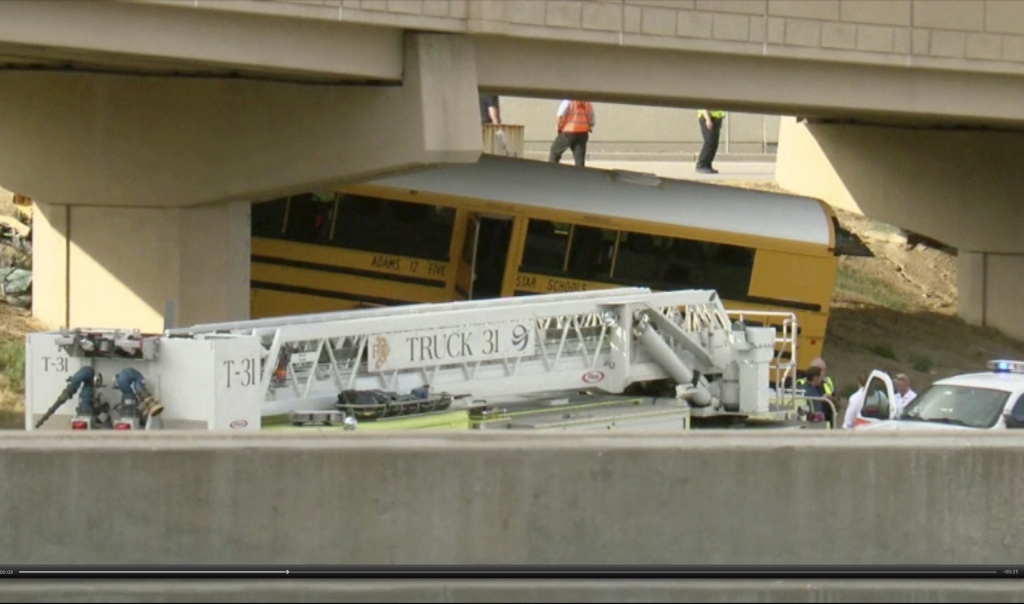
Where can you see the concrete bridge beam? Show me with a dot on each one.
(143, 183)
(118, 140)
(960, 187)
(226, 37)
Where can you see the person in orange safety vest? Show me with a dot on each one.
(575, 123)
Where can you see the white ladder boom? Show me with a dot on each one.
(601, 340)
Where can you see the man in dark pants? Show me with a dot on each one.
(575, 123)
(490, 112)
(710, 128)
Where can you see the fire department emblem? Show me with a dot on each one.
(380, 352)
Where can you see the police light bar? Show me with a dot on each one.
(1006, 366)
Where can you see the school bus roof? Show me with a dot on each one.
(619, 194)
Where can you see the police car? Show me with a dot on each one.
(993, 400)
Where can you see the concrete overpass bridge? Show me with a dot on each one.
(146, 127)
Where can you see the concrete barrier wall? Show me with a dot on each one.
(704, 498)
(511, 591)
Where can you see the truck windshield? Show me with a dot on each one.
(958, 405)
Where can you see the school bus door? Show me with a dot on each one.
(466, 272)
(481, 271)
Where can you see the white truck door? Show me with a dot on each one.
(879, 399)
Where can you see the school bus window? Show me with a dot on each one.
(394, 227)
(309, 218)
(724, 268)
(427, 230)
(686, 265)
(268, 218)
(733, 267)
(672, 263)
(639, 258)
(546, 243)
(591, 254)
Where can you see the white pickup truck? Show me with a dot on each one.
(992, 400)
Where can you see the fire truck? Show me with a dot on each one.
(620, 358)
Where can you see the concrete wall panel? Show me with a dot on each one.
(970, 274)
(50, 264)
(1004, 293)
(544, 590)
(787, 497)
(124, 265)
(879, 12)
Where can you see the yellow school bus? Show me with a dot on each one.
(510, 227)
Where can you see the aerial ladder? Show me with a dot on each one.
(369, 364)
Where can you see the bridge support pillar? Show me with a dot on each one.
(139, 267)
(959, 187)
(991, 287)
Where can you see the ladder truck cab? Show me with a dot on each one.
(583, 358)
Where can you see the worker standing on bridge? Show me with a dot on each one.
(576, 121)
(710, 129)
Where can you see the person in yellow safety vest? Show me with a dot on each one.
(710, 129)
(826, 387)
(576, 121)
(826, 383)
(811, 387)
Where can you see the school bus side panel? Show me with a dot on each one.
(313, 256)
(786, 276)
(269, 303)
(330, 284)
(534, 283)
